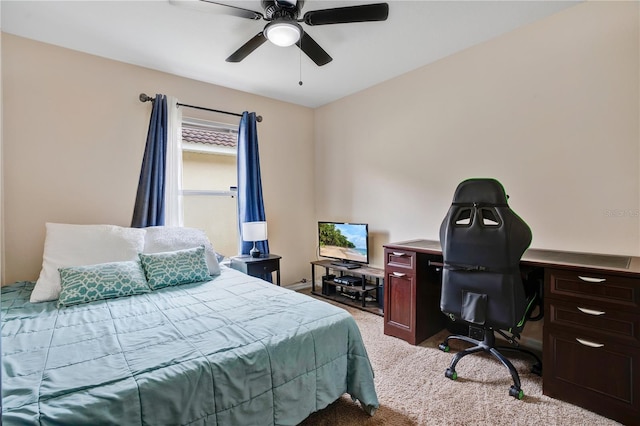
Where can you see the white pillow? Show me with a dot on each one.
(78, 245)
(160, 239)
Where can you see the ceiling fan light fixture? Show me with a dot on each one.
(283, 34)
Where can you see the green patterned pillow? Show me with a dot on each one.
(83, 284)
(175, 267)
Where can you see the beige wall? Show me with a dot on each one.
(73, 137)
(2, 251)
(551, 110)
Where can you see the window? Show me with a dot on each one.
(209, 181)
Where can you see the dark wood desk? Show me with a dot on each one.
(591, 330)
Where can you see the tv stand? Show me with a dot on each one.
(347, 265)
(364, 293)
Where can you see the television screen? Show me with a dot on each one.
(345, 241)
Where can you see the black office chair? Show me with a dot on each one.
(482, 284)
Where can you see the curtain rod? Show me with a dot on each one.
(145, 98)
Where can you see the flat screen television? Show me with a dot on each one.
(347, 243)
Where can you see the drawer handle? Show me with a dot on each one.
(397, 253)
(592, 280)
(590, 311)
(398, 274)
(590, 344)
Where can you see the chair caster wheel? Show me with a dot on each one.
(450, 374)
(537, 369)
(516, 393)
(443, 347)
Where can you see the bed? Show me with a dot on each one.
(234, 350)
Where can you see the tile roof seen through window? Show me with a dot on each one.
(219, 137)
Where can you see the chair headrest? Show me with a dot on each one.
(485, 191)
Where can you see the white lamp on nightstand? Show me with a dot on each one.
(254, 231)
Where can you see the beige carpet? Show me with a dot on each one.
(412, 389)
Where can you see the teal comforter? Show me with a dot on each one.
(232, 351)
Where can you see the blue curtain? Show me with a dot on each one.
(250, 203)
(149, 207)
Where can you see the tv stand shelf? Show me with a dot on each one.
(365, 294)
(346, 265)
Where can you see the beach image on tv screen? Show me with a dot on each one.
(343, 241)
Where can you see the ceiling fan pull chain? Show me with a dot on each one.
(300, 51)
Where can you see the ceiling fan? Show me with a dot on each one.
(283, 28)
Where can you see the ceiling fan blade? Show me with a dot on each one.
(313, 50)
(344, 15)
(215, 7)
(247, 48)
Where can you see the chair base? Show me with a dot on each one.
(488, 345)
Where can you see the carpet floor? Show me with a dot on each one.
(413, 390)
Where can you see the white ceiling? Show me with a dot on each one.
(194, 44)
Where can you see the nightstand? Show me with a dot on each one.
(258, 266)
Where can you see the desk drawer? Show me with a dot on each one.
(601, 377)
(605, 323)
(400, 259)
(603, 289)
